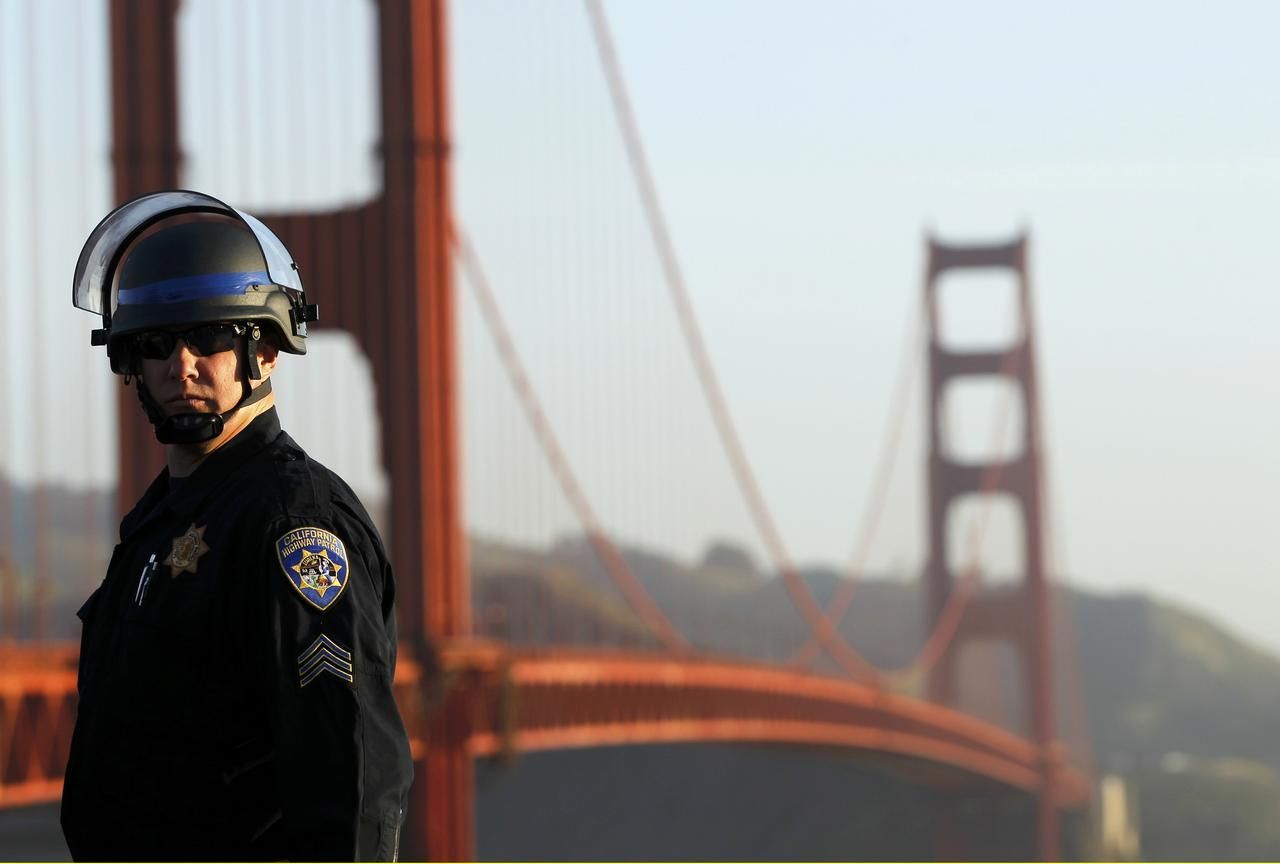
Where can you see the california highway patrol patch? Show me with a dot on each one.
(316, 563)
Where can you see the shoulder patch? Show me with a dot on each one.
(315, 563)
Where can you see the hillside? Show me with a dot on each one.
(1159, 679)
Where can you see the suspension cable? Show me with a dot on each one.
(908, 367)
(803, 598)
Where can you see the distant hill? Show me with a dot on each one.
(1160, 679)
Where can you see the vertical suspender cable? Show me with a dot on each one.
(327, 231)
(40, 508)
(8, 575)
(219, 114)
(591, 307)
(295, 68)
(559, 262)
(90, 379)
(545, 284)
(247, 52)
(250, 49)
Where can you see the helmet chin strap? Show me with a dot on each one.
(194, 427)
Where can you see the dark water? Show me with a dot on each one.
(736, 802)
(706, 802)
(32, 834)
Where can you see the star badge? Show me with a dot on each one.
(184, 557)
(318, 572)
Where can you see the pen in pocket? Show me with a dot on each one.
(144, 579)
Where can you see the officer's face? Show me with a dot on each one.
(186, 382)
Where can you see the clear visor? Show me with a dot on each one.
(102, 250)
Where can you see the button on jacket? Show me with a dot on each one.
(235, 671)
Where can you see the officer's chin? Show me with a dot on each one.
(173, 407)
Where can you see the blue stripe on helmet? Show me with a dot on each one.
(193, 287)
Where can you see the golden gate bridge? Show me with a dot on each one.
(474, 683)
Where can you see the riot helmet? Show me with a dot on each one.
(173, 260)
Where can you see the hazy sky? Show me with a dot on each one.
(802, 151)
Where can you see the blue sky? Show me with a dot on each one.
(802, 151)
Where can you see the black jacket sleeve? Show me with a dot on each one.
(327, 657)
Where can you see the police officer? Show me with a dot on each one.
(236, 662)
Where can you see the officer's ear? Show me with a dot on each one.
(268, 354)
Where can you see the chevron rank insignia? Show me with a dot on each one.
(324, 655)
(315, 562)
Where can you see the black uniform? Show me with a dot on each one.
(235, 671)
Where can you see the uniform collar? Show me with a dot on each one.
(211, 473)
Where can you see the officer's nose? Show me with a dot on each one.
(182, 360)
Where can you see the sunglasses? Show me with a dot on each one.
(203, 340)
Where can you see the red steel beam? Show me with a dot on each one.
(383, 272)
(145, 157)
(593, 698)
(1021, 618)
(494, 700)
(450, 786)
(37, 714)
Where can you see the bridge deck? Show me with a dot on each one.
(527, 700)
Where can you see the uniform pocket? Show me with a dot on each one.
(86, 611)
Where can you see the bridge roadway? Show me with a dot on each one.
(529, 700)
